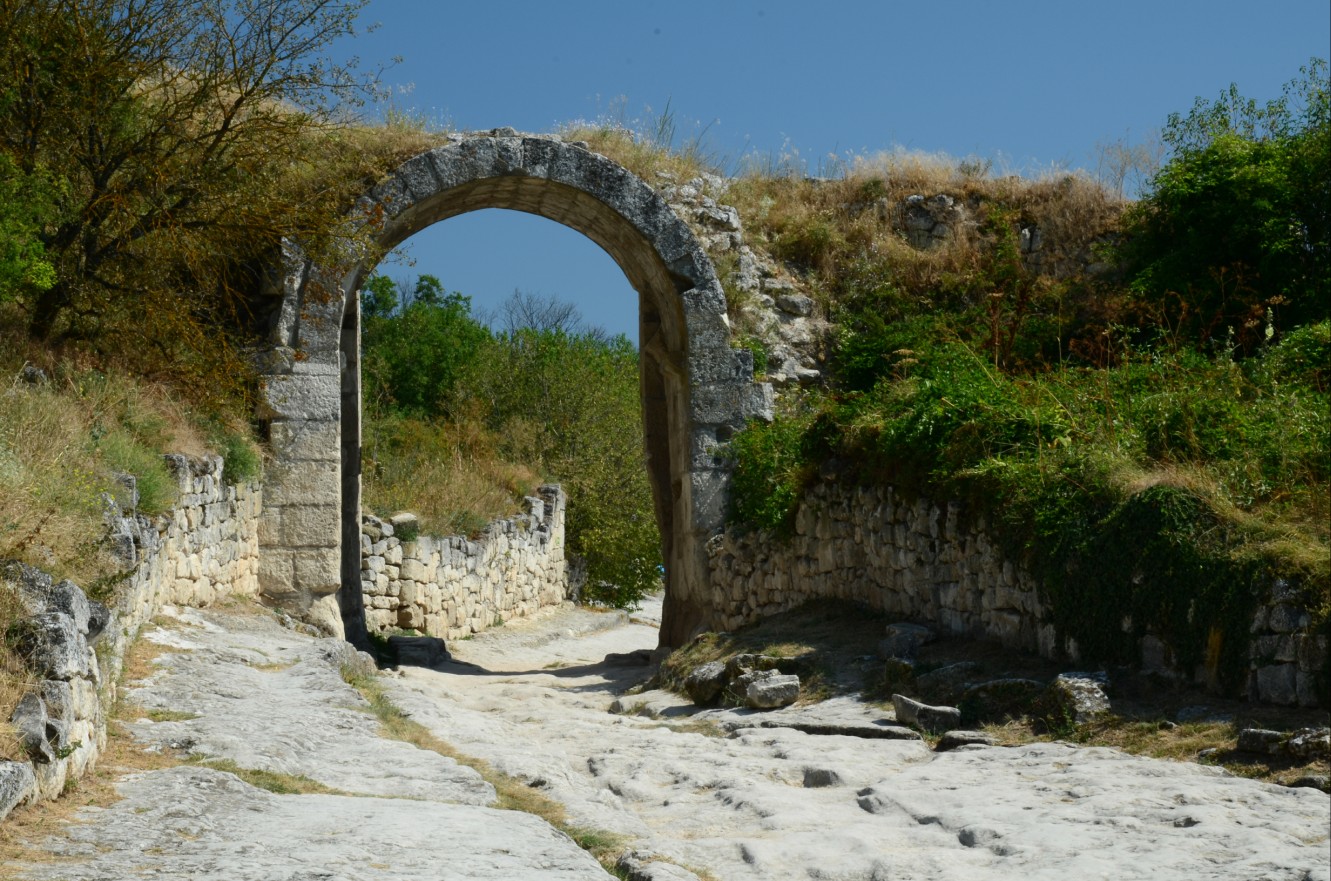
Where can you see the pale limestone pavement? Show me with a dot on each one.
(741, 802)
(774, 803)
(270, 699)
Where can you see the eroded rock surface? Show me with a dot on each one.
(692, 792)
(266, 698)
(710, 790)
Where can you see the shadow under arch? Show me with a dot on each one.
(696, 390)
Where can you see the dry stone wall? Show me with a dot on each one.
(205, 549)
(923, 561)
(452, 586)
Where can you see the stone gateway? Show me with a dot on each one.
(696, 390)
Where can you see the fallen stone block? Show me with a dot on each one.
(1261, 741)
(705, 682)
(1078, 697)
(923, 716)
(418, 651)
(768, 689)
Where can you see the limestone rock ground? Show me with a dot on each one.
(770, 804)
(709, 790)
(246, 690)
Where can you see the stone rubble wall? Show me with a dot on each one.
(922, 561)
(775, 305)
(205, 549)
(452, 586)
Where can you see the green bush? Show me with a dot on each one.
(1233, 241)
(571, 402)
(415, 354)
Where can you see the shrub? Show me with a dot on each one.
(1234, 237)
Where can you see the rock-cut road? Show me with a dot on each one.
(711, 795)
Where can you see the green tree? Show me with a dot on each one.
(378, 297)
(27, 205)
(414, 356)
(570, 402)
(1233, 237)
(181, 130)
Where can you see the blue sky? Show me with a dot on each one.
(1030, 85)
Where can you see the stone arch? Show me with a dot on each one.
(696, 390)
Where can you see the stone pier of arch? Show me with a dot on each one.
(696, 390)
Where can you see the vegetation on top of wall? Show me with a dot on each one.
(1150, 434)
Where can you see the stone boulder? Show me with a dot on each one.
(705, 682)
(1261, 741)
(1076, 697)
(946, 684)
(1309, 743)
(418, 651)
(1000, 699)
(904, 639)
(923, 716)
(956, 739)
(768, 689)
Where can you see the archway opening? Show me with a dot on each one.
(472, 401)
(695, 390)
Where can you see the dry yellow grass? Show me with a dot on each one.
(449, 475)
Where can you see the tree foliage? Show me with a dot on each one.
(178, 130)
(26, 206)
(416, 346)
(1234, 238)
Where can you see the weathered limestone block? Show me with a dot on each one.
(920, 715)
